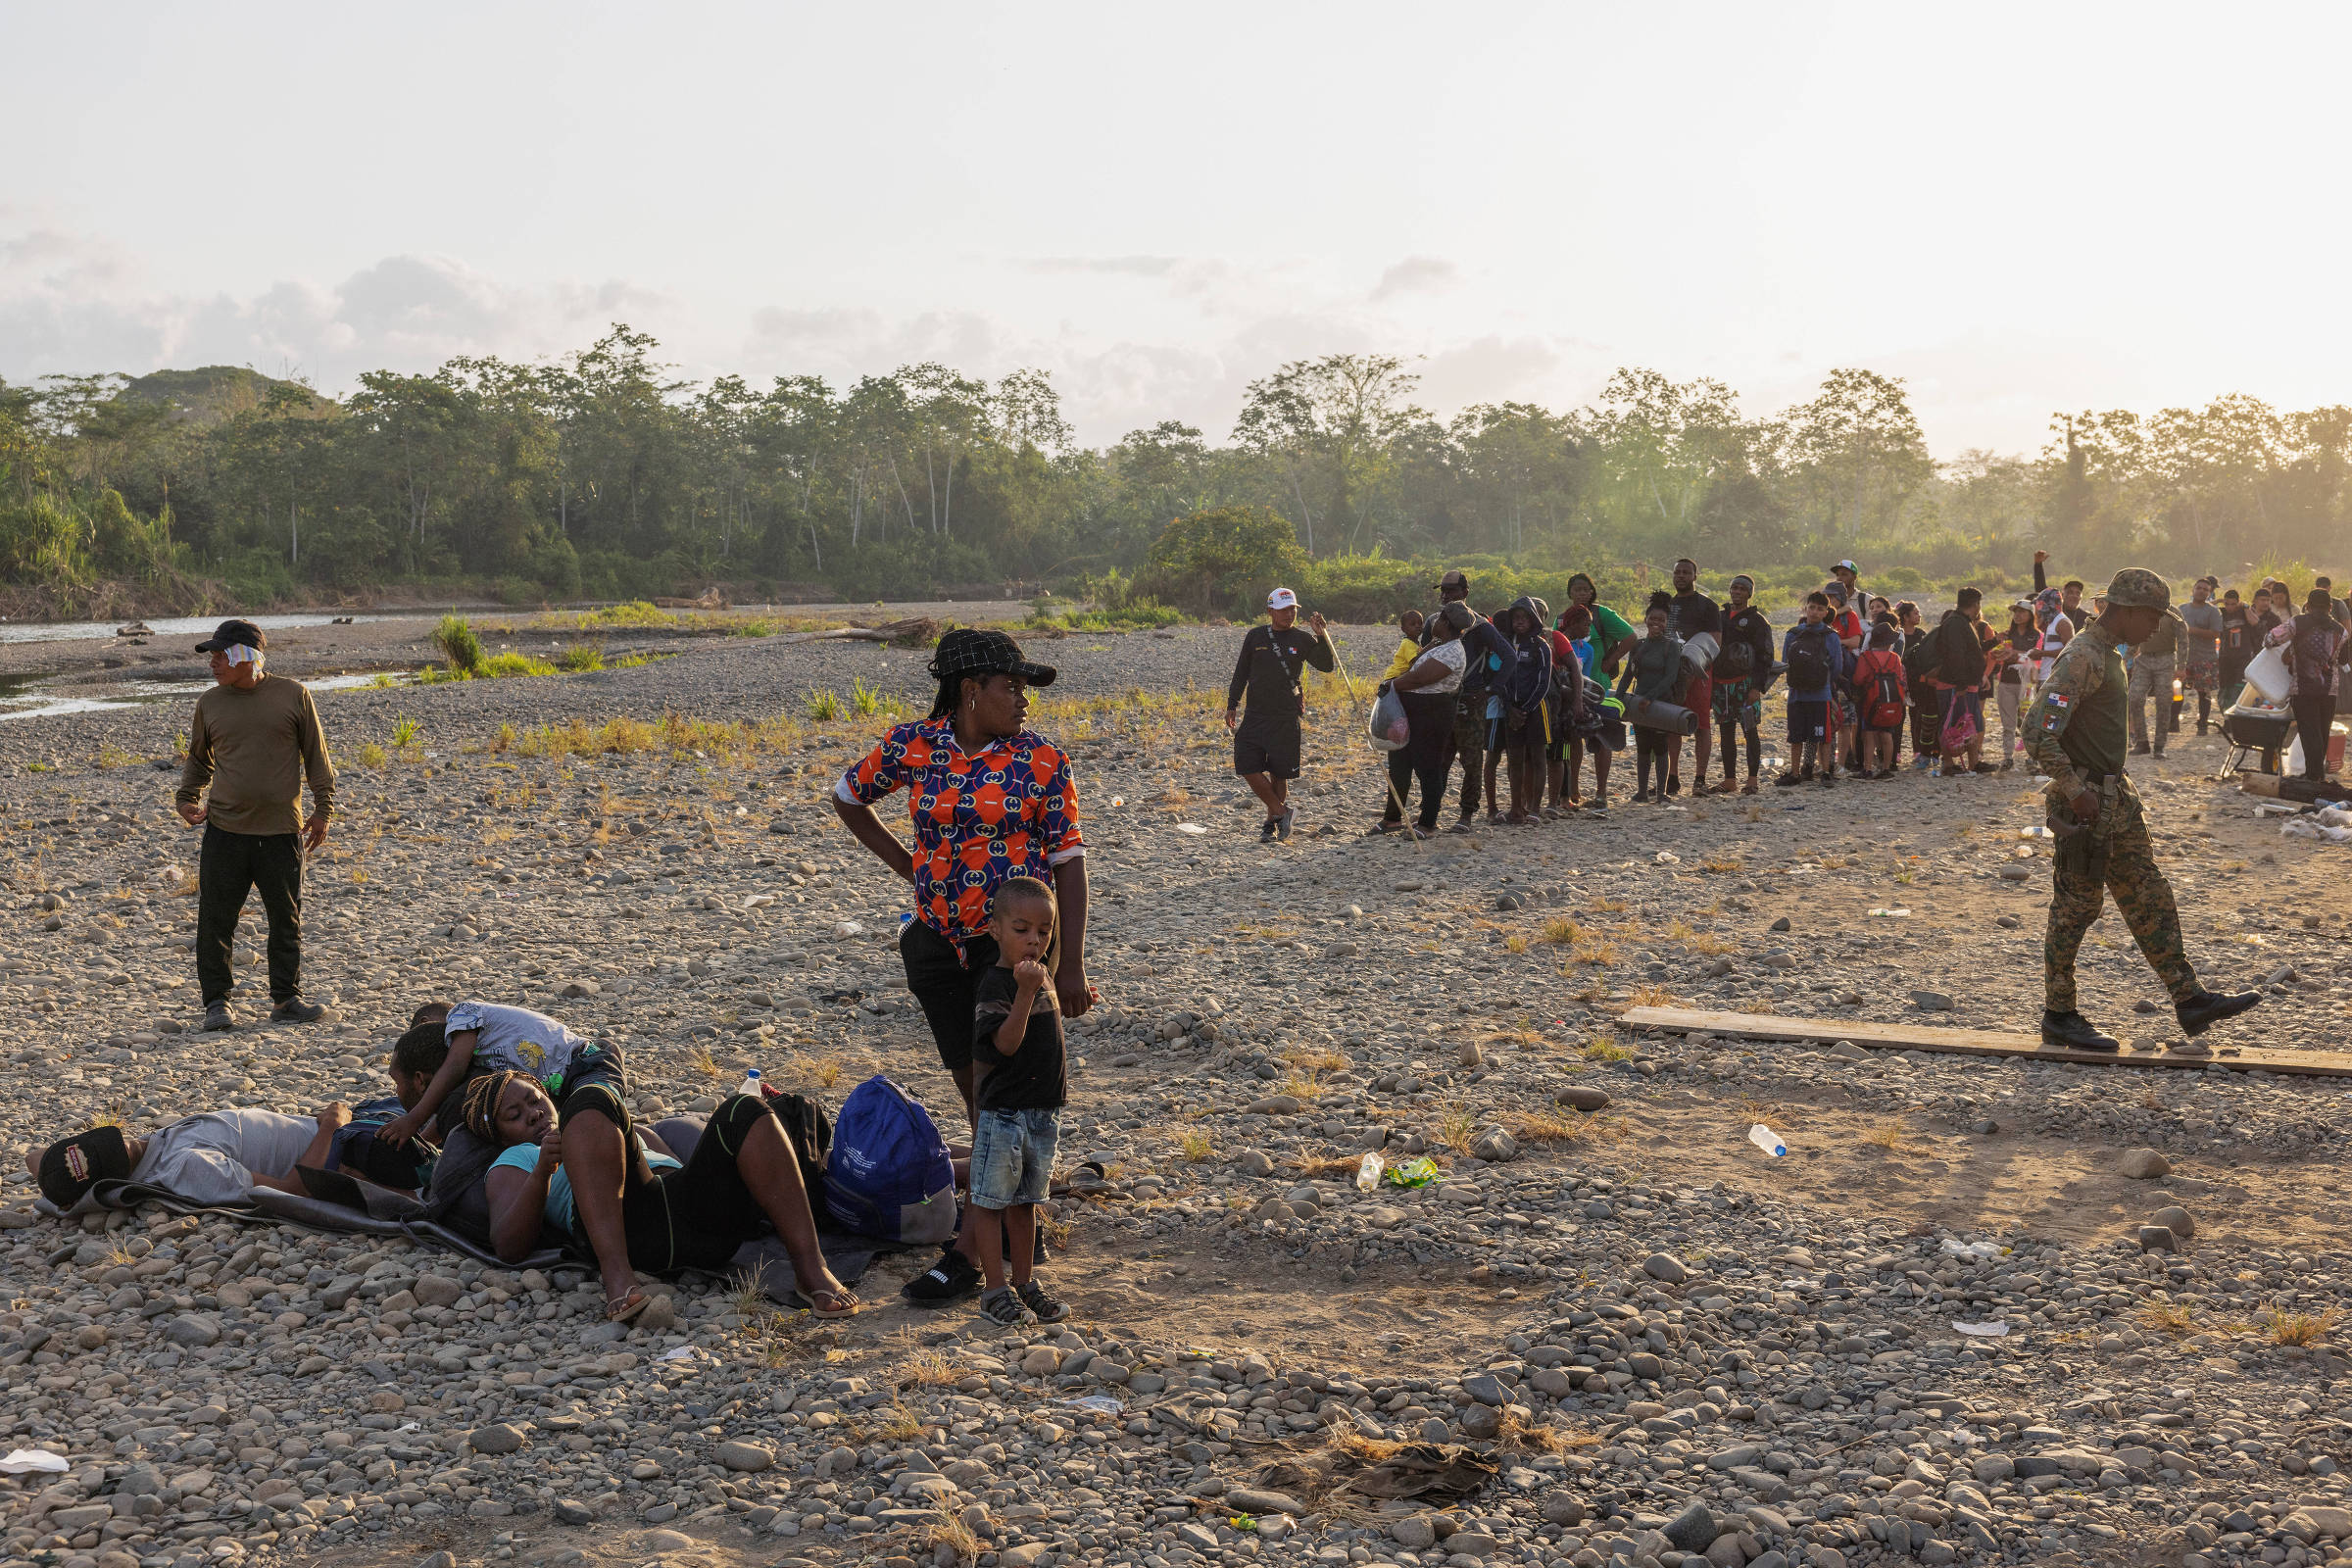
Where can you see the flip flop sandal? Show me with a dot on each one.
(628, 1308)
(808, 1303)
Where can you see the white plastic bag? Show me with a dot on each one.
(1387, 728)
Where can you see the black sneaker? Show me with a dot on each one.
(296, 1010)
(1786, 781)
(216, 1018)
(1044, 1306)
(1001, 1305)
(953, 1278)
(1282, 823)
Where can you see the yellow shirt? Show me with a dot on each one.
(1409, 653)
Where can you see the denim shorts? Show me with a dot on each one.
(1013, 1156)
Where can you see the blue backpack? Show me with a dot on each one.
(889, 1174)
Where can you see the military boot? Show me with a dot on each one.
(2075, 1032)
(2203, 1010)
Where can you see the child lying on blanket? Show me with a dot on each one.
(477, 1038)
(218, 1158)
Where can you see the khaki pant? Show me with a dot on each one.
(2151, 678)
(2010, 695)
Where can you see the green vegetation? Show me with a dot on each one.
(605, 475)
(579, 656)
(460, 646)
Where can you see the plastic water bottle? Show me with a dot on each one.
(751, 1084)
(1367, 1173)
(1767, 1140)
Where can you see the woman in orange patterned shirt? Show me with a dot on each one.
(989, 800)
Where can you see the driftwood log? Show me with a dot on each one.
(918, 631)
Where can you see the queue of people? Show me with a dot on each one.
(1531, 695)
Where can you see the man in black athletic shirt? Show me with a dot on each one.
(1271, 673)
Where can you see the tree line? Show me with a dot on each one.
(602, 474)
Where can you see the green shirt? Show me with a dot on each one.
(1609, 628)
(2076, 726)
(2165, 641)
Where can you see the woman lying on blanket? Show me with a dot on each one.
(616, 1194)
(218, 1158)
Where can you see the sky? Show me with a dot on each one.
(2018, 209)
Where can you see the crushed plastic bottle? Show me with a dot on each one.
(1767, 1140)
(1367, 1172)
(2035, 832)
(1419, 1171)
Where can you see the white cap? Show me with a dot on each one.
(1282, 599)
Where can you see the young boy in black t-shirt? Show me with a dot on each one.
(1021, 1082)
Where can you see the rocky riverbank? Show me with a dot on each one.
(1619, 1329)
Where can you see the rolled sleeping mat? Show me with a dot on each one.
(1699, 650)
(1653, 714)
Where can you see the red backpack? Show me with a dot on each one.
(1878, 685)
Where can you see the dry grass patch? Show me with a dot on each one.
(2165, 1318)
(1514, 944)
(894, 1422)
(1651, 997)
(1603, 1046)
(1895, 1137)
(928, 1369)
(1194, 1145)
(949, 1531)
(1598, 951)
(826, 1070)
(1560, 931)
(1457, 1126)
(2301, 1330)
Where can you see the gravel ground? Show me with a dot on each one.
(1641, 1337)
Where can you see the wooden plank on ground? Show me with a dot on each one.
(1967, 1042)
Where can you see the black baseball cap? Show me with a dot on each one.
(71, 1166)
(968, 650)
(1454, 579)
(233, 634)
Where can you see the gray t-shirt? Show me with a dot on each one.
(2204, 623)
(518, 1039)
(211, 1158)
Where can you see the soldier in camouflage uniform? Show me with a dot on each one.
(2075, 733)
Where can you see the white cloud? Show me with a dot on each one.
(68, 302)
(1416, 275)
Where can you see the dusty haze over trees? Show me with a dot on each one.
(603, 475)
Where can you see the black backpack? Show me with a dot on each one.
(1809, 661)
(1959, 657)
(1738, 659)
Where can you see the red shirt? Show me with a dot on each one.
(1011, 810)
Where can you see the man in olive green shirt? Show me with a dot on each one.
(2075, 732)
(2153, 664)
(254, 738)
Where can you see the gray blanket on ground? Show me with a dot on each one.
(762, 1259)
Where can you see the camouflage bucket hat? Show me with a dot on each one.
(2137, 588)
